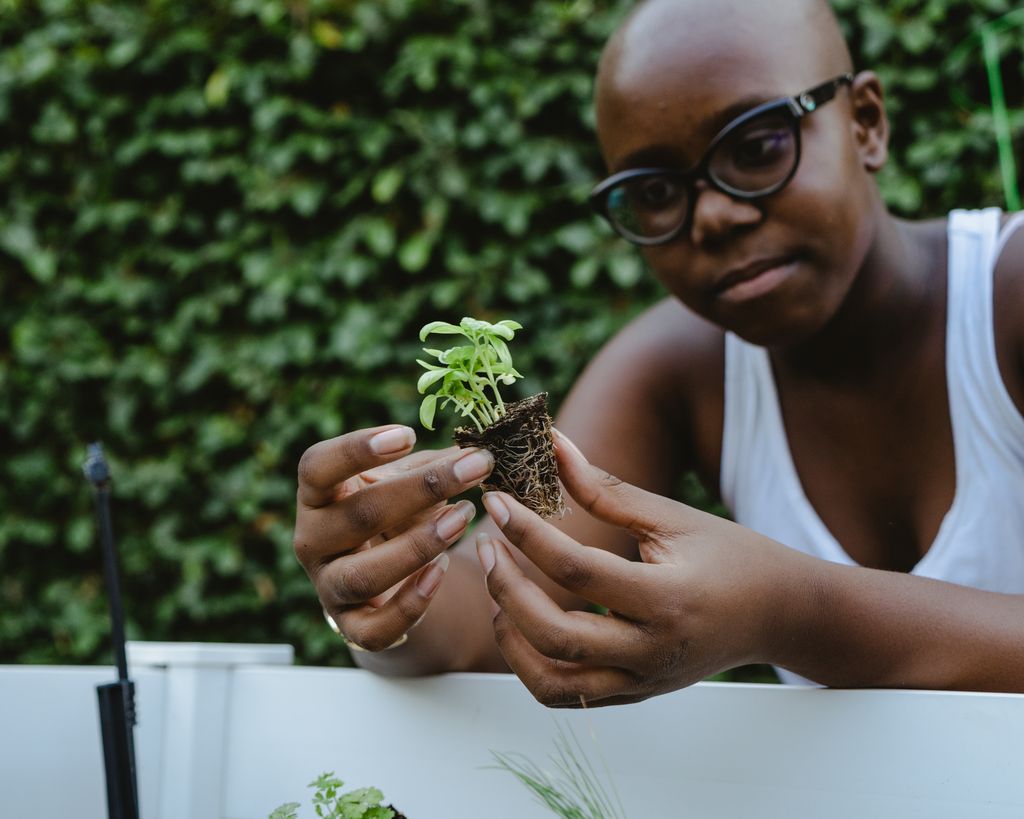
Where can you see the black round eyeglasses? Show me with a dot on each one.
(755, 155)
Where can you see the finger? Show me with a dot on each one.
(326, 532)
(399, 467)
(559, 686)
(327, 464)
(606, 497)
(377, 628)
(557, 683)
(363, 575)
(594, 574)
(575, 636)
(405, 464)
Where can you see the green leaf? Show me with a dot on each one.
(386, 184)
(427, 409)
(414, 253)
(217, 88)
(442, 327)
(428, 379)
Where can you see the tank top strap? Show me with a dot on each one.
(1014, 223)
(976, 390)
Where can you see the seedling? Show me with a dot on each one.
(518, 434)
(330, 803)
(466, 372)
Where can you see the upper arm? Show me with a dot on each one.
(1009, 315)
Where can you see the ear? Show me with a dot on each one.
(870, 122)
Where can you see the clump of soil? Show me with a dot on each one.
(524, 455)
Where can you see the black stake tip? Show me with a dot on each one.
(95, 466)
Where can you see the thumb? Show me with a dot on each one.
(642, 513)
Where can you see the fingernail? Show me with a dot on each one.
(564, 441)
(392, 440)
(496, 507)
(453, 522)
(474, 465)
(430, 579)
(485, 552)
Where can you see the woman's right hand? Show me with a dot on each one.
(373, 523)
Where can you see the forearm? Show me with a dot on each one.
(454, 635)
(855, 627)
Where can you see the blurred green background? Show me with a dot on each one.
(224, 222)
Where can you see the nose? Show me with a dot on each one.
(716, 214)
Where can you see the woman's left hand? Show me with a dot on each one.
(708, 595)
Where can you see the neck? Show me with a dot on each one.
(890, 313)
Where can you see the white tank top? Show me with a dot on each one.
(980, 542)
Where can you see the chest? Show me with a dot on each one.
(877, 467)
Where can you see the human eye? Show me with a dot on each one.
(655, 192)
(761, 146)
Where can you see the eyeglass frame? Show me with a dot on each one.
(797, 107)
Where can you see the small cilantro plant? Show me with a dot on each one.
(468, 375)
(330, 803)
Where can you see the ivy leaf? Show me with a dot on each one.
(386, 184)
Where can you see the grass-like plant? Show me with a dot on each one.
(573, 790)
(468, 374)
(330, 803)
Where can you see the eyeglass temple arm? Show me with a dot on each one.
(818, 96)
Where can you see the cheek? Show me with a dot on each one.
(670, 265)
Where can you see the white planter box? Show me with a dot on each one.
(230, 732)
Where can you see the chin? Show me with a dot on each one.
(777, 328)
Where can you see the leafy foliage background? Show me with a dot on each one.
(223, 223)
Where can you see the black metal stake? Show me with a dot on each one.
(117, 699)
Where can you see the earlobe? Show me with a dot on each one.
(870, 121)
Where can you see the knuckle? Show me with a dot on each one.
(561, 645)
(497, 585)
(301, 548)
(355, 584)
(573, 571)
(369, 641)
(434, 485)
(549, 692)
(425, 546)
(409, 609)
(307, 467)
(366, 513)
(501, 628)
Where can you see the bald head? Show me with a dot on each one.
(708, 55)
(801, 32)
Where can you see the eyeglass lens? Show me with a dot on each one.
(749, 160)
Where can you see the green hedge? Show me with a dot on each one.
(223, 223)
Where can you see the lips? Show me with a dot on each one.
(753, 279)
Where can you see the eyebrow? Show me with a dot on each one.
(660, 154)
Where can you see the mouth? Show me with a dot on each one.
(754, 279)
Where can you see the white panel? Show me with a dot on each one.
(234, 744)
(143, 653)
(51, 753)
(711, 750)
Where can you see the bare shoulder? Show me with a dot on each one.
(658, 385)
(1009, 309)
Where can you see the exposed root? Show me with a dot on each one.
(524, 455)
